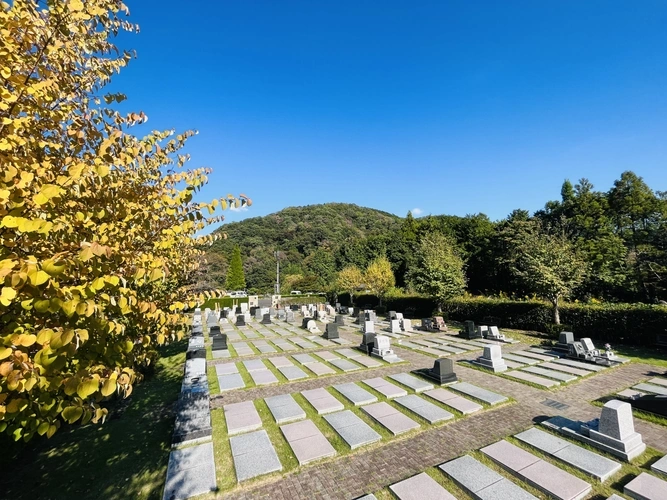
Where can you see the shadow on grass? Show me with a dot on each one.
(126, 457)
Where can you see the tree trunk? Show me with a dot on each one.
(556, 313)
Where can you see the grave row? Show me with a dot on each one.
(445, 345)
(191, 470)
(229, 377)
(307, 441)
(278, 345)
(484, 483)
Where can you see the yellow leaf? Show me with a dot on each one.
(43, 428)
(38, 277)
(52, 430)
(27, 340)
(44, 335)
(109, 387)
(76, 5)
(53, 268)
(87, 388)
(7, 295)
(5, 352)
(86, 254)
(42, 306)
(72, 413)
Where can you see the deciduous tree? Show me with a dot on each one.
(235, 276)
(379, 277)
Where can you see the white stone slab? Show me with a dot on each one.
(537, 370)
(390, 418)
(322, 401)
(387, 389)
(565, 369)
(307, 441)
(241, 417)
(455, 401)
(354, 431)
(578, 364)
(414, 383)
(646, 487)
(263, 377)
(473, 391)
(253, 455)
(320, 369)
(284, 409)
(652, 388)
(230, 382)
(420, 487)
(190, 472)
(527, 377)
(425, 409)
(355, 394)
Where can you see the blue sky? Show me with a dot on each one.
(448, 107)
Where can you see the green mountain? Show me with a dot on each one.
(312, 241)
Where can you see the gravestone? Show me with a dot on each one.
(395, 326)
(427, 324)
(244, 306)
(406, 325)
(239, 310)
(214, 331)
(482, 330)
(281, 314)
(340, 320)
(304, 322)
(616, 429)
(382, 348)
(391, 315)
(369, 327)
(253, 310)
(492, 359)
(240, 320)
(442, 372)
(258, 314)
(367, 342)
(331, 331)
(361, 317)
(312, 327)
(219, 343)
(289, 316)
(470, 332)
(494, 334)
(266, 319)
(439, 323)
(195, 354)
(564, 341)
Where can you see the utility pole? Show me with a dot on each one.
(277, 256)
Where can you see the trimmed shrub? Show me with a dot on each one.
(297, 300)
(224, 302)
(412, 306)
(631, 324)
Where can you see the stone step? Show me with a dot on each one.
(355, 394)
(307, 441)
(428, 411)
(540, 474)
(537, 370)
(646, 487)
(473, 391)
(590, 463)
(527, 377)
(420, 487)
(354, 431)
(482, 482)
(390, 418)
(414, 383)
(253, 455)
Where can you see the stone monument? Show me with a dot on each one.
(340, 320)
(331, 331)
(367, 343)
(266, 319)
(369, 327)
(492, 359)
(382, 349)
(442, 372)
(395, 326)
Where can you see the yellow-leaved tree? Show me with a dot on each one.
(97, 226)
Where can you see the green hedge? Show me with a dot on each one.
(631, 324)
(224, 302)
(289, 300)
(410, 306)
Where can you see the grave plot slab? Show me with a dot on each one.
(534, 355)
(263, 377)
(455, 401)
(367, 361)
(242, 349)
(407, 343)
(266, 348)
(387, 389)
(413, 383)
(225, 369)
(658, 381)
(449, 349)
(284, 409)
(565, 369)
(420, 487)
(578, 364)
(544, 352)
(513, 364)
(253, 455)
(191, 471)
(473, 391)
(349, 353)
(580, 458)
(320, 369)
(428, 411)
(322, 401)
(280, 362)
(230, 382)
(293, 373)
(327, 355)
(465, 347)
(520, 359)
(286, 346)
(221, 354)
(481, 481)
(652, 388)
(354, 431)
(537, 370)
(541, 381)
(355, 394)
(254, 364)
(304, 344)
(307, 441)
(241, 417)
(390, 418)
(304, 359)
(542, 475)
(630, 393)
(434, 352)
(646, 487)
(345, 365)
(424, 343)
(341, 341)
(251, 335)
(660, 467)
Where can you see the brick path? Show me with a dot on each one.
(370, 470)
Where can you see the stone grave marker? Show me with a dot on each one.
(492, 359)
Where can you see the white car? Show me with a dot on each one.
(238, 293)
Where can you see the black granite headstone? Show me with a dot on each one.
(214, 331)
(442, 372)
(331, 331)
(220, 343)
(239, 310)
(339, 320)
(367, 343)
(196, 353)
(392, 315)
(650, 403)
(240, 320)
(266, 319)
(304, 323)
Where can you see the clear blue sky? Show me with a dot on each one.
(448, 107)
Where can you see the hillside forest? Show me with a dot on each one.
(602, 245)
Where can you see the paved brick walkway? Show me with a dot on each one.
(370, 470)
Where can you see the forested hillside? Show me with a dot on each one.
(616, 240)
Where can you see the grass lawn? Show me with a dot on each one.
(126, 457)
